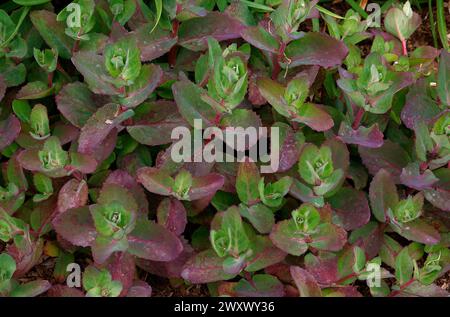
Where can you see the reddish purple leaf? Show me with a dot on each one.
(316, 49)
(73, 194)
(76, 226)
(370, 137)
(390, 156)
(351, 208)
(205, 267)
(306, 283)
(193, 34)
(172, 215)
(9, 130)
(151, 241)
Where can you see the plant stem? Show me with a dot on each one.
(357, 8)
(50, 79)
(358, 118)
(402, 287)
(277, 59)
(404, 48)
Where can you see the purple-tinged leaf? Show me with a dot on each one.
(261, 285)
(260, 38)
(125, 180)
(151, 241)
(440, 195)
(419, 106)
(316, 49)
(315, 117)
(84, 163)
(171, 214)
(383, 194)
(99, 126)
(64, 291)
(122, 269)
(190, 104)
(347, 291)
(76, 226)
(91, 66)
(328, 237)
(27, 254)
(31, 289)
(75, 102)
(285, 237)
(370, 137)
(52, 32)
(418, 230)
(323, 268)
(260, 216)
(205, 186)
(305, 282)
(153, 44)
(147, 81)
(104, 247)
(155, 180)
(205, 267)
(35, 90)
(290, 146)
(416, 289)
(247, 180)
(411, 176)
(9, 130)
(265, 254)
(170, 269)
(390, 156)
(140, 289)
(155, 128)
(350, 207)
(369, 238)
(193, 34)
(73, 194)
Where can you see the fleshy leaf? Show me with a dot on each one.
(9, 130)
(370, 137)
(205, 267)
(305, 282)
(383, 194)
(154, 242)
(193, 34)
(316, 49)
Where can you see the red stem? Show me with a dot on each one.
(276, 59)
(395, 293)
(404, 48)
(358, 118)
(50, 79)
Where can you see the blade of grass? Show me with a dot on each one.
(258, 6)
(159, 7)
(328, 12)
(432, 23)
(441, 24)
(357, 8)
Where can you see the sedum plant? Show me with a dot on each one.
(352, 110)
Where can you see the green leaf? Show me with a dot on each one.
(404, 267)
(383, 195)
(260, 216)
(43, 183)
(52, 32)
(247, 180)
(159, 8)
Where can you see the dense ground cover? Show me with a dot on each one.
(92, 201)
